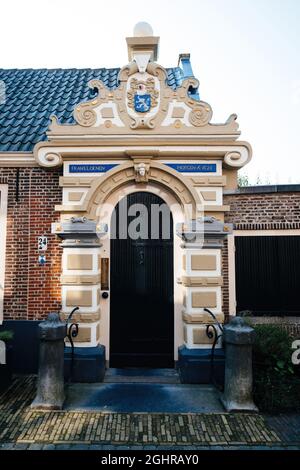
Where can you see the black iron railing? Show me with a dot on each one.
(72, 332)
(213, 333)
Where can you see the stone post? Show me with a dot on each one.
(238, 338)
(50, 389)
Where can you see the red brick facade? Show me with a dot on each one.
(263, 208)
(31, 290)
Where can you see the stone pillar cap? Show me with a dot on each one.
(238, 332)
(53, 328)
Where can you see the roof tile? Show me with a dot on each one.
(33, 95)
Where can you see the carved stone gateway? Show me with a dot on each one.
(144, 134)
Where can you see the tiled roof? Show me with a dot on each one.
(33, 95)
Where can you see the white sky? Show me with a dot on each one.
(244, 52)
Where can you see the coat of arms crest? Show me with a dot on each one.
(142, 96)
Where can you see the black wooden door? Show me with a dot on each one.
(141, 301)
(268, 274)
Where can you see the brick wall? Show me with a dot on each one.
(259, 211)
(290, 324)
(263, 208)
(31, 290)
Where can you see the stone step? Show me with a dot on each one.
(140, 375)
(142, 398)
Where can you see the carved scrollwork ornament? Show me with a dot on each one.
(86, 117)
(235, 159)
(157, 71)
(200, 115)
(85, 113)
(142, 123)
(144, 103)
(127, 71)
(51, 159)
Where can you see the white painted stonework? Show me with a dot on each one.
(188, 299)
(80, 251)
(93, 289)
(189, 337)
(173, 107)
(114, 114)
(206, 252)
(67, 193)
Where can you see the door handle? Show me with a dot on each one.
(142, 257)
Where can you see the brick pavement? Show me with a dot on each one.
(23, 428)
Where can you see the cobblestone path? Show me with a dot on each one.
(22, 427)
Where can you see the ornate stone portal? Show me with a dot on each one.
(144, 134)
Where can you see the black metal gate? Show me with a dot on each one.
(268, 274)
(141, 304)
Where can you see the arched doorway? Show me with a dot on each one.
(142, 286)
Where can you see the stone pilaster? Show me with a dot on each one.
(202, 283)
(202, 279)
(81, 285)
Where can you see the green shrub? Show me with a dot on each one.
(272, 348)
(276, 387)
(6, 335)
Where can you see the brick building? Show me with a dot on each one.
(263, 254)
(76, 142)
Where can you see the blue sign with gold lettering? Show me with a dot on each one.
(194, 167)
(91, 168)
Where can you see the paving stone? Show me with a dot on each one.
(139, 447)
(201, 448)
(35, 446)
(7, 446)
(187, 447)
(19, 446)
(63, 446)
(79, 447)
(216, 447)
(22, 428)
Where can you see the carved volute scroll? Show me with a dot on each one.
(143, 103)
